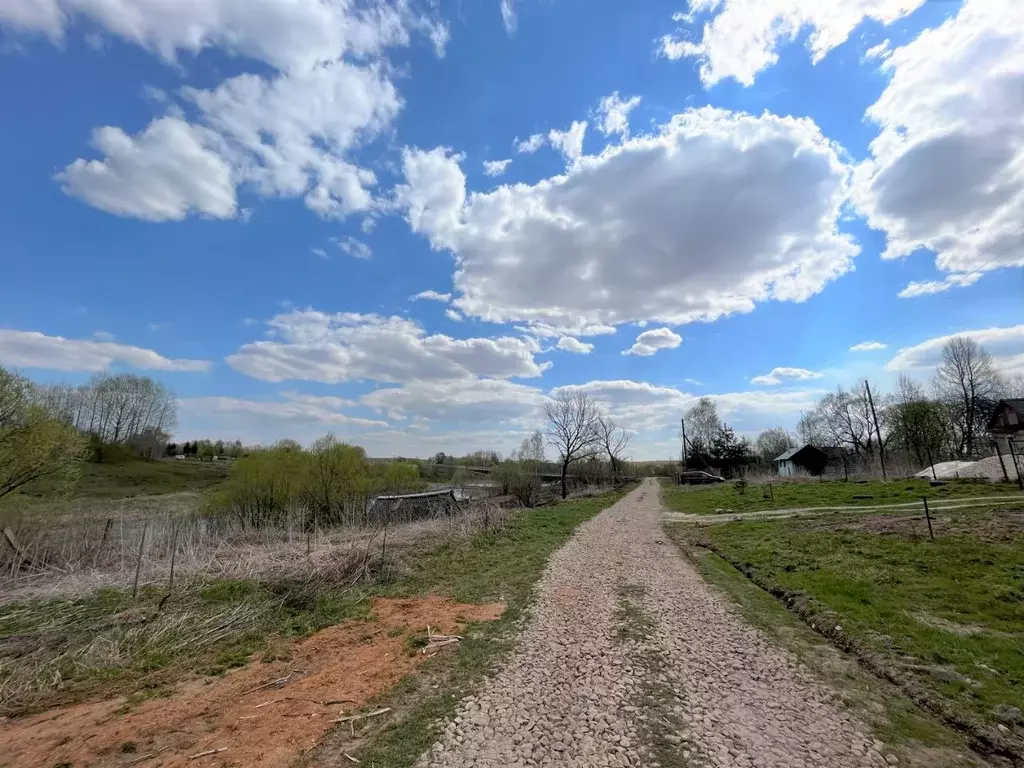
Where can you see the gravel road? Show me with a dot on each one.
(630, 659)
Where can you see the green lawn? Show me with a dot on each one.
(134, 478)
(730, 497)
(947, 615)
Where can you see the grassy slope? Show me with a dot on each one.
(728, 496)
(956, 602)
(55, 636)
(133, 478)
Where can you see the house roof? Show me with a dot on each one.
(794, 451)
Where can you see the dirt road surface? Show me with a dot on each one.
(631, 659)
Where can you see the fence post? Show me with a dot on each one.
(1002, 464)
(138, 562)
(174, 552)
(1016, 466)
(928, 517)
(878, 432)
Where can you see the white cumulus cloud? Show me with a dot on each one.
(354, 247)
(946, 172)
(614, 113)
(467, 400)
(529, 145)
(1006, 345)
(496, 167)
(332, 348)
(744, 36)
(287, 132)
(868, 346)
(571, 344)
(432, 295)
(286, 34)
(569, 142)
(649, 342)
(927, 287)
(779, 375)
(162, 174)
(31, 349)
(713, 214)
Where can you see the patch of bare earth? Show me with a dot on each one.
(244, 715)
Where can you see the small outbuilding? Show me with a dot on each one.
(1007, 422)
(1007, 429)
(803, 458)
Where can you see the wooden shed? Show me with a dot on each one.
(411, 506)
(803, 458)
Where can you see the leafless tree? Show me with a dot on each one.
(1014, 386)
(572, 416)
(843, 418)
(114, 409)
(773, 443)
(968, 386)
(702, 422)
(613, 440)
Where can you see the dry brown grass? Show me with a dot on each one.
(69, 621)
(80, 548)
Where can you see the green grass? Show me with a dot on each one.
(728, 497)
(926, 608)
(134, 478)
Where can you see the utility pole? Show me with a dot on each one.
(878, 432)
(682, 423)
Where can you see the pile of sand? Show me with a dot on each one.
(989, 468)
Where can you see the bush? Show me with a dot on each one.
(327, 485)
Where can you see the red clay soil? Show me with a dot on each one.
(270, 726)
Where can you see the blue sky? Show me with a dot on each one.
(706, 199)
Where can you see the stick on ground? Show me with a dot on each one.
(207, 753)
(351, 718)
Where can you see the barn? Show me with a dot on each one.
(803, 458)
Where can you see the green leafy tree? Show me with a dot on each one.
(729, 452)
(38, 453)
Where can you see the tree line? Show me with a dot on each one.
(122, 409)
(329, 483)
(48, 430)
(945, 419)
(923, 423)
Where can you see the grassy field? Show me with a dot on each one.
(134, 478)
(57, 651)
(730, 497)
(945, 617)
